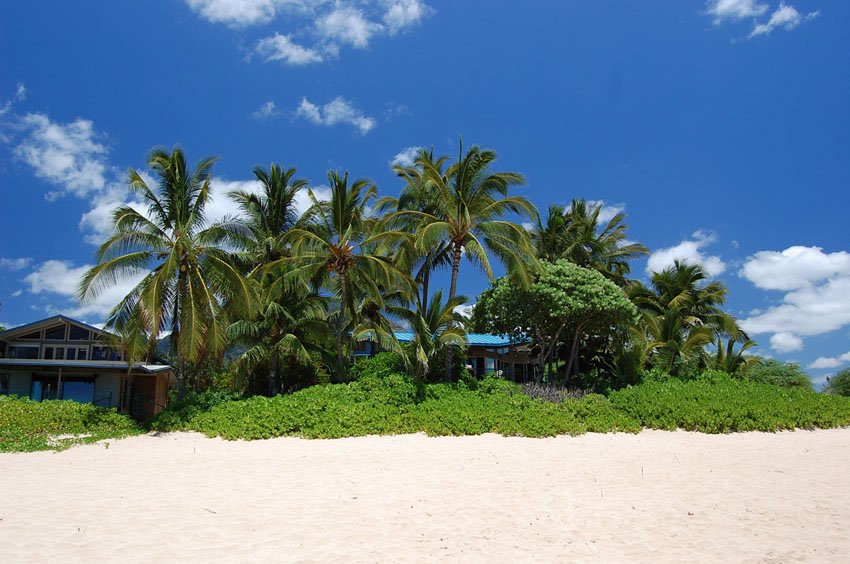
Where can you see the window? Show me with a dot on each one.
(23, 351)
(48, 353)
(81, 354)
(60, 353)
(98, 353)
(81, 391)
(71, 354)
(4, 384)
(77, 333)
(55, 333)
(32, 336)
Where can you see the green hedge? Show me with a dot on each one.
(390, 403)
(27, 425)
(717, 403)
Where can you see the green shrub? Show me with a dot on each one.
(180, 411)
(718, 403)
(772, 371)
(27, 425)
(381, 365)
(839, 384)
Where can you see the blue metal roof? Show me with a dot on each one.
(472, 339)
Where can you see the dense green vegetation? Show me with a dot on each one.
(718, 403)
(839, 384)
(27, 425)
(382, 401)
(296, 293)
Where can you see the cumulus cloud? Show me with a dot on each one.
(405, 157)
(689, 251)
(67, 155)
(735, 9)
(786, 17)
(14, 265)
(816, 286)
(401, 14)
(786, 342)
(266, 111)
(339, 110)
(238, 13)
(347, 24)
(831, 361)
(320, 26)
(795, 267)
(60, 279)
(282, 48)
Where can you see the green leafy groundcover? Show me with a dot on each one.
(717, 403)
(389, 403)
(27, 425)
(392, 404)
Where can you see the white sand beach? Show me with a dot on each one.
(648, 497)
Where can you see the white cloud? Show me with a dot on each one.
(266, 111)
(347, 24)
(465, 310)
(14, 264)
(61, 278)
(735, 9)
(816, 284)
(66, 155)
(405, 157)
(338, 110)
(795, 267)
(607, 212)
(20, 95)
(238, 13)
(830, 361)
(401, 14)
(281, 48)
(689, 251)
(393, 111)
(786, 342)
(17, 293)
(786, 17)
(316, 27)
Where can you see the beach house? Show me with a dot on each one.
(485, 354)
(62, 358)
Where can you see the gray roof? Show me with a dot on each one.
(48, 321)
(116, 365)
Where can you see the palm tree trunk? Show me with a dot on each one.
(426, 279)
(452, 291)
(340, 328)
(274, 388)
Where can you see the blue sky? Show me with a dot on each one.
(722, 128)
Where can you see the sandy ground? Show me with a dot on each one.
(647, 497)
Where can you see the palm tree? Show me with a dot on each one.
(672, 344)
(575, 234)
(436, 327)
(289, 326)
(685, 287)
(416, 196)
(291, 318)
(341, 252)
(268, 215)
(469, 205)
(191, 282)
(682, 314)
(727, 359)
